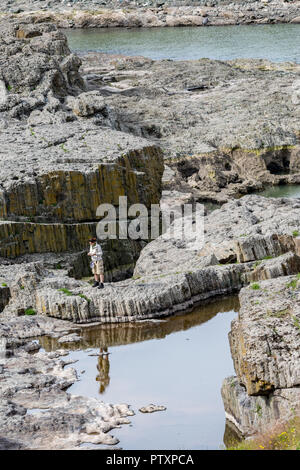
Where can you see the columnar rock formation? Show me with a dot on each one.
(249, 415)
(51, 196)
(262, 359)
(246, 240)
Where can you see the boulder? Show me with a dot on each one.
(38, 64)
(265, 338)
(87, 104)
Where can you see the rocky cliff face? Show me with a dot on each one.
(255, 414)
(60, 157)
(67, 171)
(69, 143)
(268, 320)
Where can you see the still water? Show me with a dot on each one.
(179, 363)
(287, 190)
(278, 43)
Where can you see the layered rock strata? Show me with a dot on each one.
(60, 157)
(250, 414)
(113, 334)
(171, 275)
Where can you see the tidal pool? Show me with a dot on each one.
(278, 43)
(179, 363)
(287, 190)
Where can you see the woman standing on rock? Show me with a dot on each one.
(97, 263)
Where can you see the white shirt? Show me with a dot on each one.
(96, 252)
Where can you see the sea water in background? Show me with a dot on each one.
(278, 43)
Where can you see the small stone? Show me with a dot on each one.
(152, 408)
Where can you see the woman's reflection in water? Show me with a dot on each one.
(103, 369)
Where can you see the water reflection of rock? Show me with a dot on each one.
(108, 335)
(103, 367)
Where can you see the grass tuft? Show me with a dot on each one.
(282, 436)
(65, 291)
(30, 311)
(292, 284)
(255, 286)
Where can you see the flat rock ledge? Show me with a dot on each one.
(227, 128)
(246, 240)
